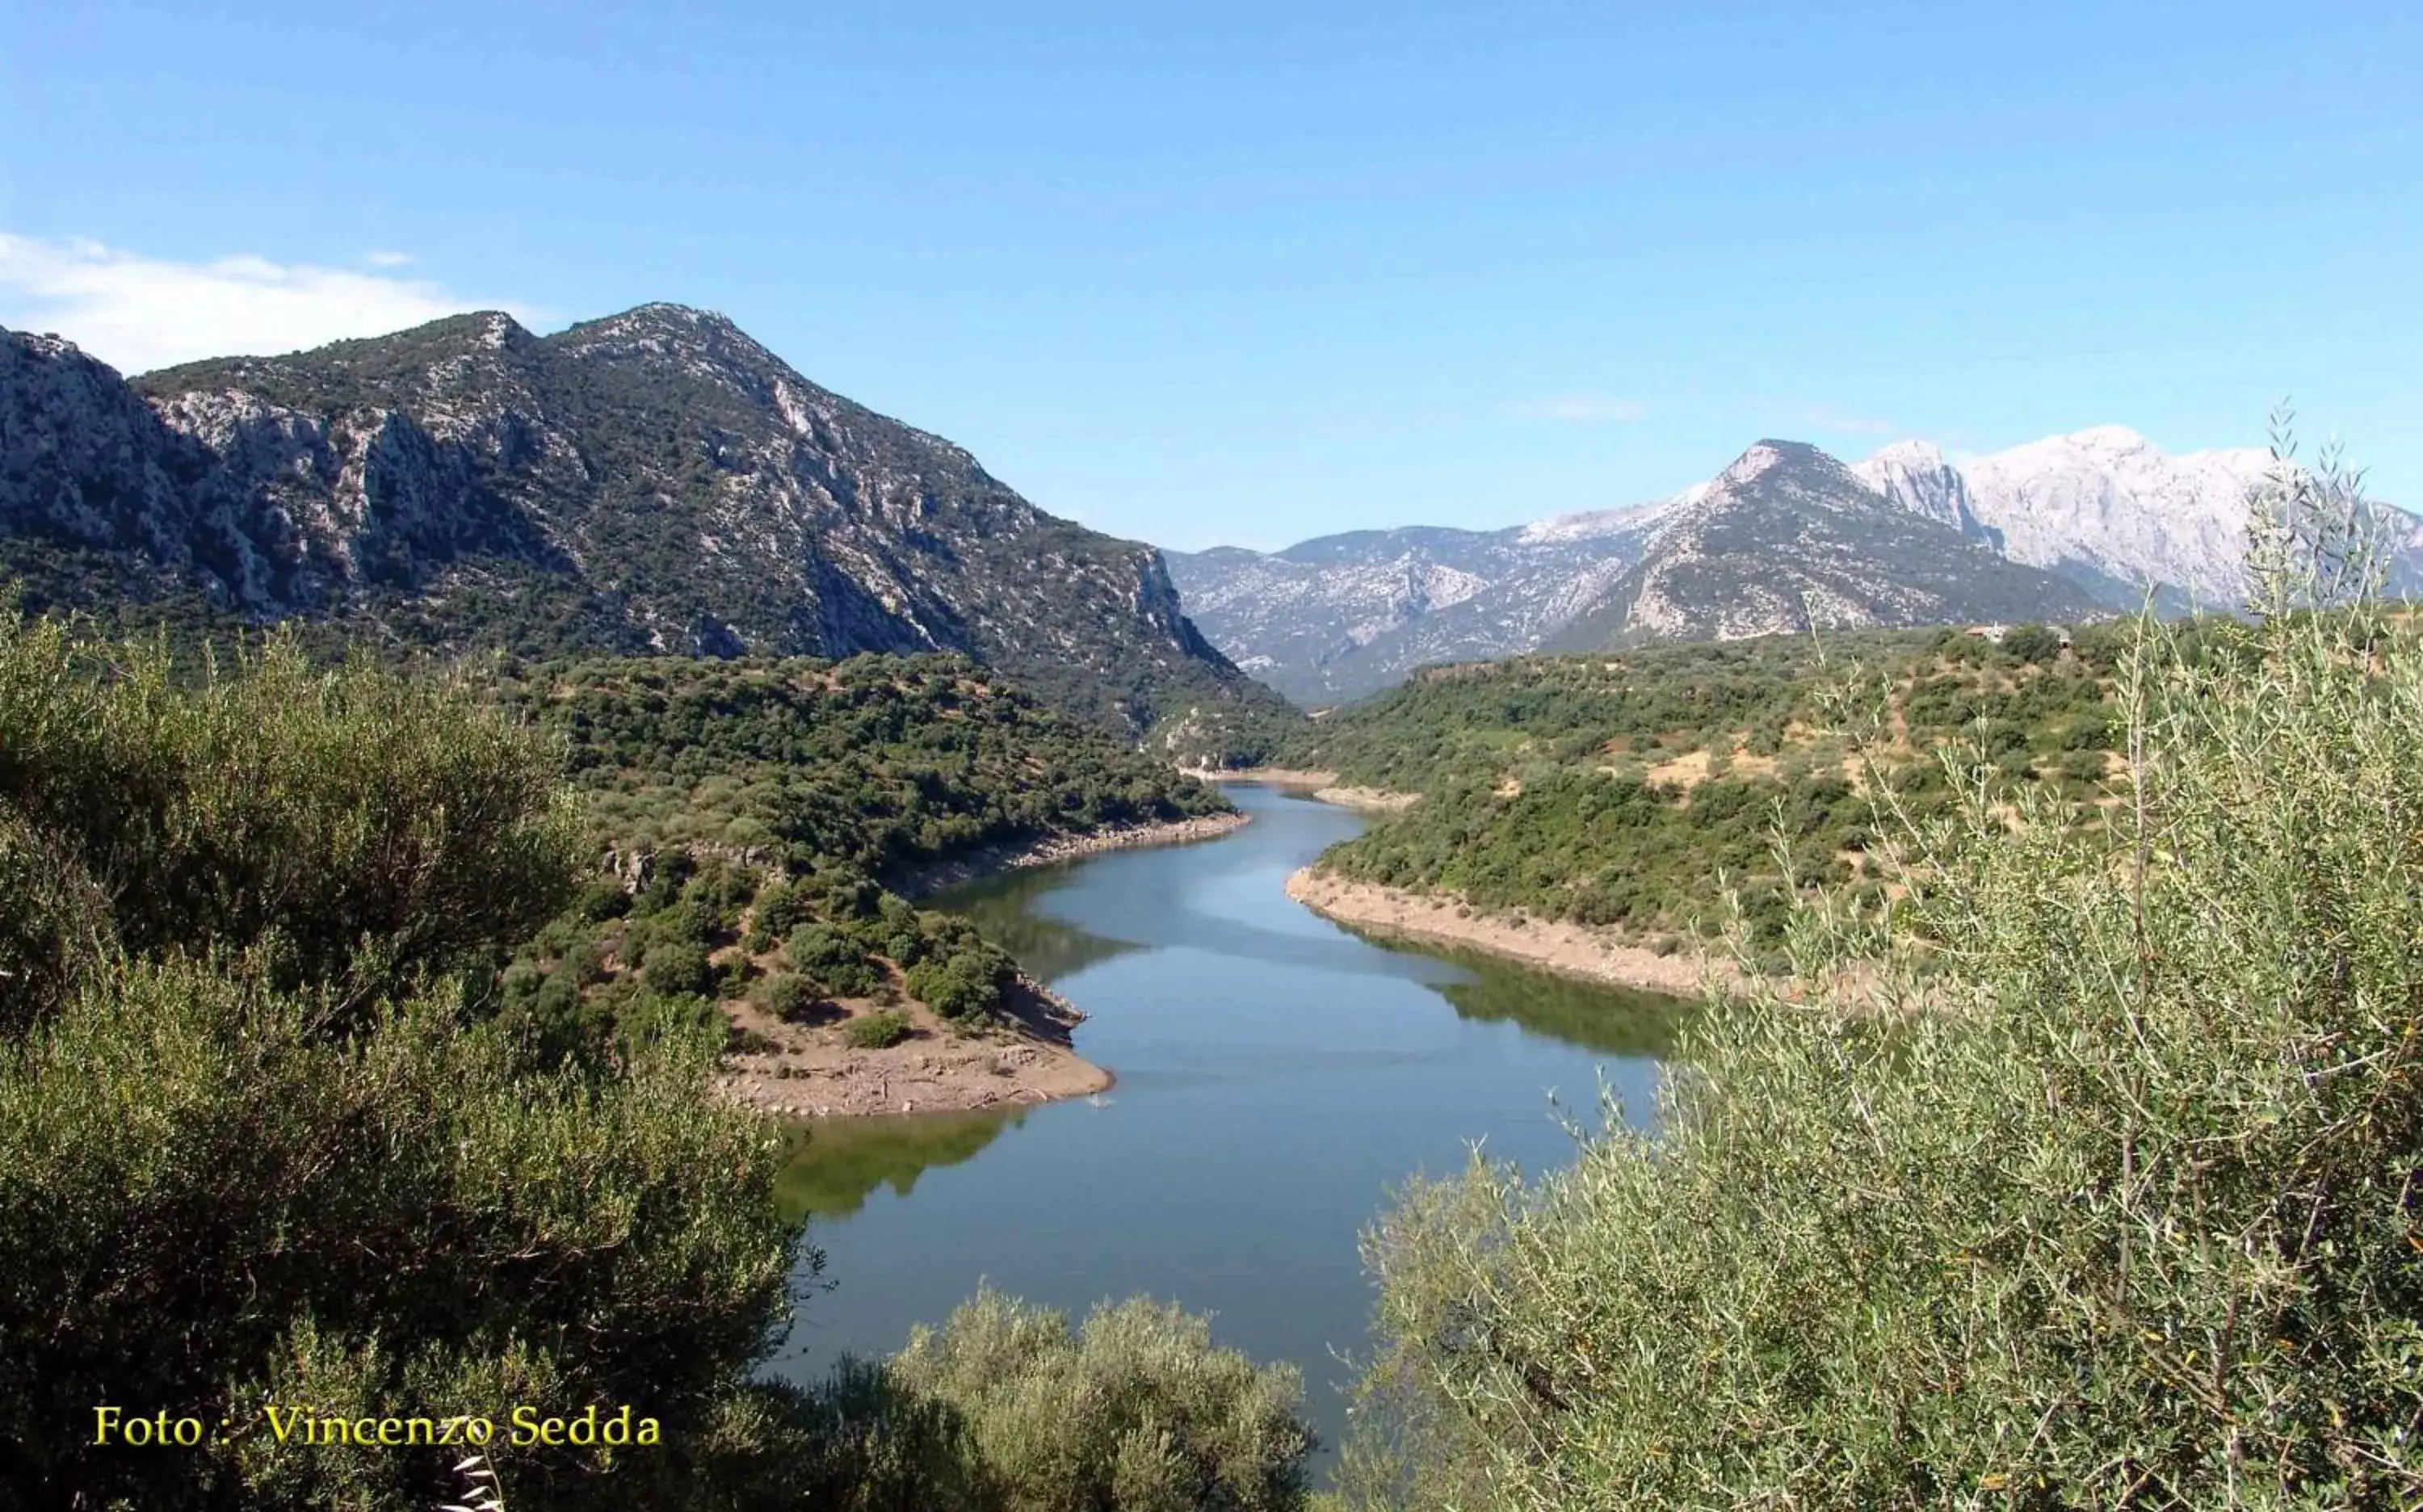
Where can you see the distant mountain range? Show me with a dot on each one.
(2056, 529)
(653, 481)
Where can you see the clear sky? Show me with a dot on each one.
(1259, 270)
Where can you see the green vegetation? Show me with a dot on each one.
(260, 1142)
(1006, 1409)
(283, 1121)
(878, 1030)
(1615, 789)
(761, 813)
(882, 763)
(2084, 1176)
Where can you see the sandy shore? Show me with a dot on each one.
(1569, 950)
(973, 865)
(809, 1071)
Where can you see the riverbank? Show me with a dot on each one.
(811, 1070)
(1568, 949)
(975, 866)
(1322, 786)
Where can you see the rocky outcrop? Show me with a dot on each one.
(653, 481)
(1789, 538)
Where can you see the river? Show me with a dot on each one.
(1277, 1077)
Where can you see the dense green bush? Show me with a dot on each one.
(789, 997)
(258, 1143)
(963, 987)
(1008, 1408)
(878, 1030)
(376, 825)
(678, 965)
(2096, 1188)
(830, 959)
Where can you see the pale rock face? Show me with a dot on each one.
(1915, 475)
(2110, 500)
(654, 479)
(1787, 538)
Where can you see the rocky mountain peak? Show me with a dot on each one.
(1913, 455)
(2110, 440)
(1915, 475)
(655, 480)
(1757, 463)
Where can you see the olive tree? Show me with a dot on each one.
(2085, 1174)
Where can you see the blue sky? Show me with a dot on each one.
(1258, 271)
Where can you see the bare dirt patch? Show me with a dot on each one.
(1569, 950)
(811, 1071)
(1322, 786)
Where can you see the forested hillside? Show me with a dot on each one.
(276, 1132)
(1617, 790)
(758, 815)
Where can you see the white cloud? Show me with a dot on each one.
(383, 257)
(1585, 408)
(138, 314)
(1824, 419)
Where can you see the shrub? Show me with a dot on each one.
(740, 1040)
(254, 1146)
(827, 956)
(1007, 1407)
(2033, 643)
(962, 987)
(878, 1030)
(2096, 1188)
(679, 966)
(789, 997)
(375, 823)
(781, 907)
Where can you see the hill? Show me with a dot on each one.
(1615, 790)
(655, 482)
(761, 820)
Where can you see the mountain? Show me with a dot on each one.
(652, 480)
(1342, 616)
(2103, 509)
(2105, 506)
(1787, 537)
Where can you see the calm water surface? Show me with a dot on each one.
(1277, 1075)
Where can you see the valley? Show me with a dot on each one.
(599, 827)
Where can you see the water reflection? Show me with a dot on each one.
(1278, 1077)
(1616, 1021)
(1004, 908)
(832, 1166)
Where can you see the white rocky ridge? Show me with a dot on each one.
(2103, 505)
(2105, 508)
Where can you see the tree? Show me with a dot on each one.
(261, 1142)
(2093, 1185)
(2032, 644)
